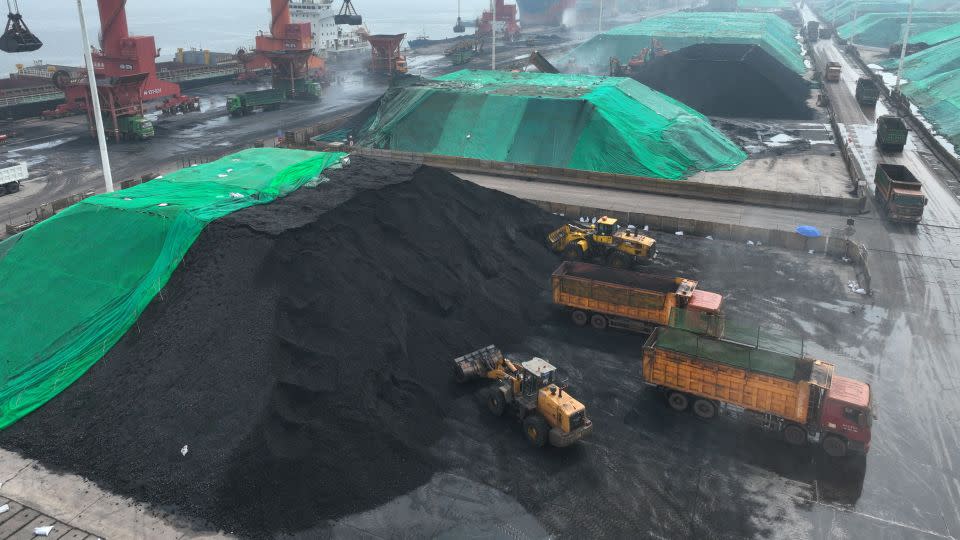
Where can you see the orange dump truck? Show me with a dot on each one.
(604, 296)
(794, 395)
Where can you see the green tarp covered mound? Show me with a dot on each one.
(678, 30)
(936, 36)
(74, 284)
(885, 29)
(602, 124)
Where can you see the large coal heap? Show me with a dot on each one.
(301, 352)
(736, 80)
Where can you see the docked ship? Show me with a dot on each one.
(336, 43)
(543, 12)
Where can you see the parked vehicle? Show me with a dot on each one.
(609, 297)
(832, 72)
(891, 134)
(262, 100)
(798, 397)
(10, 178)
(898, 193)
(867, 92)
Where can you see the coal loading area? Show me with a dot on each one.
(295, 373)
(733, 80)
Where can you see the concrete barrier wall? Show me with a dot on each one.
(697, 190)
(837, 246)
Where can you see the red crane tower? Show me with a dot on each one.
(289, 48)
(126, 72)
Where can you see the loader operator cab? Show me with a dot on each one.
(536, 374)
(606, 226)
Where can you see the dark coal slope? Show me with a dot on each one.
(735, 80)
(302, 351)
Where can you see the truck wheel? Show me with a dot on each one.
(496, 404)
(579, 318)
(834, 446)
(573, 252)
(795, 434)
(678, 401)
(536, 429)
(598, 321)
(705, 409)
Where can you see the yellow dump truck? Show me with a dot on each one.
(796, 396)
(609, 297)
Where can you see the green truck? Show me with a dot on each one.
(135, 128)
(867, 92)
(248, 102)
(891, 134)
(899, 194)
(300, 89)
(813, 31)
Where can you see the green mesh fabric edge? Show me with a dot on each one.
(75, 283)
(885, 29)
(602, 124)
(936, 36)
(678, 30)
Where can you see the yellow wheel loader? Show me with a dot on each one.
(530, 392)
(619, 248)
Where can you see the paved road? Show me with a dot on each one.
(64, 160)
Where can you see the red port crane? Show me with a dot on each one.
(126, 72)
(289, 48)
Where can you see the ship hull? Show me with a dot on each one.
(543, 12)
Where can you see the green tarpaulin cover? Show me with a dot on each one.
(676, 31)
(604, 124)
(74, 284)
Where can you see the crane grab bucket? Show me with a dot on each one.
(17, 37)
(459, 28)
(348, 15)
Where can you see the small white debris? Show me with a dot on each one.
(593, 220)
(43, 531)
(631, 227)
(561, 215)
(235, 160)
(184, 450)
(221, 176)
(195, 165)
(860, 291)
(811, 252)
(646, 228)
(709, 237)
(759, 243)
(159, 178)
(4, 508)
(469, 135)
(679, 233)
(750, 242)
(345, 161)
(164, 204)
(127, 199)
(229, 171)
(236, 195)
(845, 259)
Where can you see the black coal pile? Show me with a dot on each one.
(729, 80)
(297, 365)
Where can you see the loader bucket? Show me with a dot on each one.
(476, 364)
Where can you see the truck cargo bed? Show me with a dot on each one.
(615, 276)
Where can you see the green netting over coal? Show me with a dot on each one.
(936, 60)
(937, 36)
(74, 284)
(885, 29)
(679, 30)
(938, 98)
(751, 358)
(844, 12)
(764, 4)
(602, 124)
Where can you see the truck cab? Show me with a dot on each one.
(846, 417)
